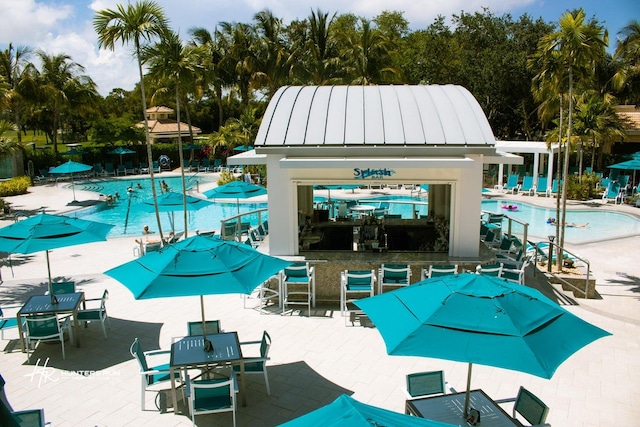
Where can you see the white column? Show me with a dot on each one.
(283, 215)
(500, 173)
(550, 169)
(536, 165)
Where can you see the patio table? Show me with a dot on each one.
(449, 408)
(363, 210)
(189, 353)
(41, 304)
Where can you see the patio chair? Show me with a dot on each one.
(514, 271)
(98, 313)
(46, 329)
(354, 283)
(527, 186)
(529, 407)
(217, 164)
(256, 364)
(492, 239)
(512, 183)
(194, 166)
(62, 288)
(11, 418)
(205, 166)
(421, 384)
(109, 170)
(144, 167)
(195, 328)
(298, 281)
(212, 397)
(553, 191)
(151, 375)
(128, 168)
(8, 321)
(156, 166)
(394, 276)
(121, 170)
(438, 270)
(489, 269)
(97, 169)
(266, 293)
(613, 192)
(541, 186)
(186, 165)
(382, 209)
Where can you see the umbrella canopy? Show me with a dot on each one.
(633, 164)
(171, 202)
(481, 319)
(236, 190)
(243, 148)
(192, 147)
(45, 232)
(120, 151)
(199, 265)
(70, 168)
(346, 411)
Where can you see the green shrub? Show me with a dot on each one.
(15, 186)
(584, 189)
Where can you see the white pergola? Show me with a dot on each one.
(537, 148)
(375, 134)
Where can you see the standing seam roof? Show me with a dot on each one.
(427, 115)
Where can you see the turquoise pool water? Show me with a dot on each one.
(129, 219)
(603, 225)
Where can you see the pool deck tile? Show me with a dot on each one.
(313, 359)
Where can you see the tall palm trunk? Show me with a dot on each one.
(565, 172)
(558, 176)
(181, 157)
(148, 141)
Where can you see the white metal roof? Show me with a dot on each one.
(395, 116)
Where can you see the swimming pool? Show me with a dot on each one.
(603, 225)
(128, 219)
(404, 205)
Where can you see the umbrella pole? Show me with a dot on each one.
(53, 298)
(207, 344)
(466, 400)
(73, 187)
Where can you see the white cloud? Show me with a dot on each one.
(26, 22)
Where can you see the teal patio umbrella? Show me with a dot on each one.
(69, 168)
(236, 190)
(44, 232)
(171, 202)
(197, 266)
(346, 411)
(476, 318)
(629, 165)
(243, 148)
(120, 151)
(73, 152)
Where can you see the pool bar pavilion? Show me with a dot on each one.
(374, 136)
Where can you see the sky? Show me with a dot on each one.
(65, 26)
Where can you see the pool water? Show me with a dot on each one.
(603, 225)
(128, 219)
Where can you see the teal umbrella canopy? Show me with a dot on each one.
(119, 151)
(73, 152)
(171, 202)
(633, 164)
(199, 265)
(346, 411)
(479, 319)
(235, 190)
(71, 167)
(45, 232)
(243, 148)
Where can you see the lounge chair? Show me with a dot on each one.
(204, 166)
(144, 167)
(121, 170)
(527, 186)
(553, 191)
(156, 166)
(542, 186)
(97, 169)
(512, 183)
(109, 170)
(128, 168)
(613, 192)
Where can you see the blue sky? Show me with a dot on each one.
(57, 26)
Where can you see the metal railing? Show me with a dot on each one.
(554, 248)
(232, 228)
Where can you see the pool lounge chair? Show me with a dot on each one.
(527, 186)
(553, 191)
(512, 184)
(613, 192)
(542, 186)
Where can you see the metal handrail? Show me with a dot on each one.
(238, 220)
(552, 245)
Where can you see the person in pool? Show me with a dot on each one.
(568, 224)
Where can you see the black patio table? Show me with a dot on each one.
(189, 353)
(449, 408)
(41, 304)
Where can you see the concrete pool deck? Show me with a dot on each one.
(313, 359)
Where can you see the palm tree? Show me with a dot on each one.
(272, 55)
(318, 58)
(60, 85)
(14, 66)
(174, 64)
(140, 22)
(627, 79)
(571, 52)
(236, 40)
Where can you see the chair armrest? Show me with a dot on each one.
(156, 352)
(507, 400)
(251, 342)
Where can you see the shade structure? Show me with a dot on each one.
(192, 147)
(120, 151)
(197, 266)
(69, 168)
(633, 164)
(236, 190)
(171, 202)
(73, 152)
(44, 232)
(346, 411)
(481, 319)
